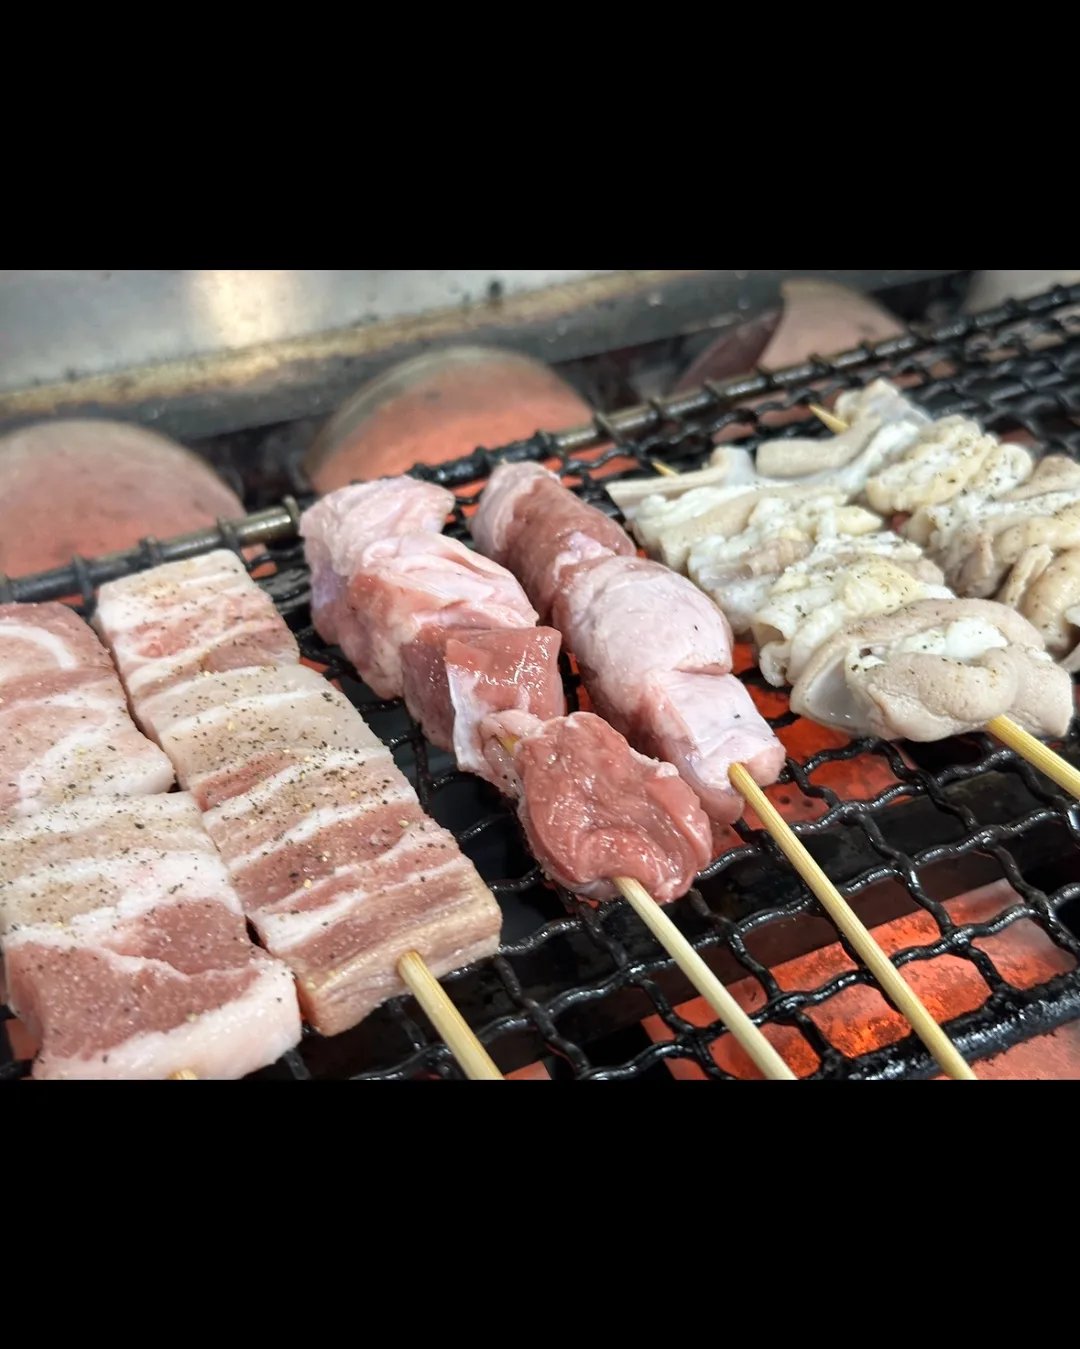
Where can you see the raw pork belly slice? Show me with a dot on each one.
(344, 873)
(456, 678)
(183, 619)
(227, 733)
(333, 859)
(531, 523)
(64, 723)
(593, 809)
(127, 954)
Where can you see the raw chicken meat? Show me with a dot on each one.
(932, 669)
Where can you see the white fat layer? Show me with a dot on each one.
(315, 821)
(138, 883)
(214, 716)
(284, 931)
(966, 640)
(63, 656)
(260, 796)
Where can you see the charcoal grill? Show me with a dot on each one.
(900, 829)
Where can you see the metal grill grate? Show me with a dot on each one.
(574, 982)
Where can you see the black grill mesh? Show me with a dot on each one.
(573, 981)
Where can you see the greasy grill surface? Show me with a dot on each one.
(898, 828)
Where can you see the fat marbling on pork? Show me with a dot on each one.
(64, 722)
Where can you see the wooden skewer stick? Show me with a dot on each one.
(475, 1061)
(183, 1075)
(831, 420)
(664, 469)
(1037, 754)
(845, 918)
(1006, 730)
(761, 1052)
(707, 984)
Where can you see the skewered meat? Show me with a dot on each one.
(741, 521)
(932, 669)
(630, 618)
(819, 596)
(127, 955)
(332, 857)
(672, 694)
(950, 456)
(655, 655)
(401, 597)
(469, 687)
(406, 584)
(1046, 589)
(882, 424)
(338, 528)
(978, 541)
(797, 583)
(64, 722)
(593, 809)
(779, 531)
(729, 466)
(703, 724)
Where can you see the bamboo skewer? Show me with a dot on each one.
(835, 424)
(183, 1075)
(1006, 730)
(1037, 754)
(707, 984)
(845, 918)
(459, 1036)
